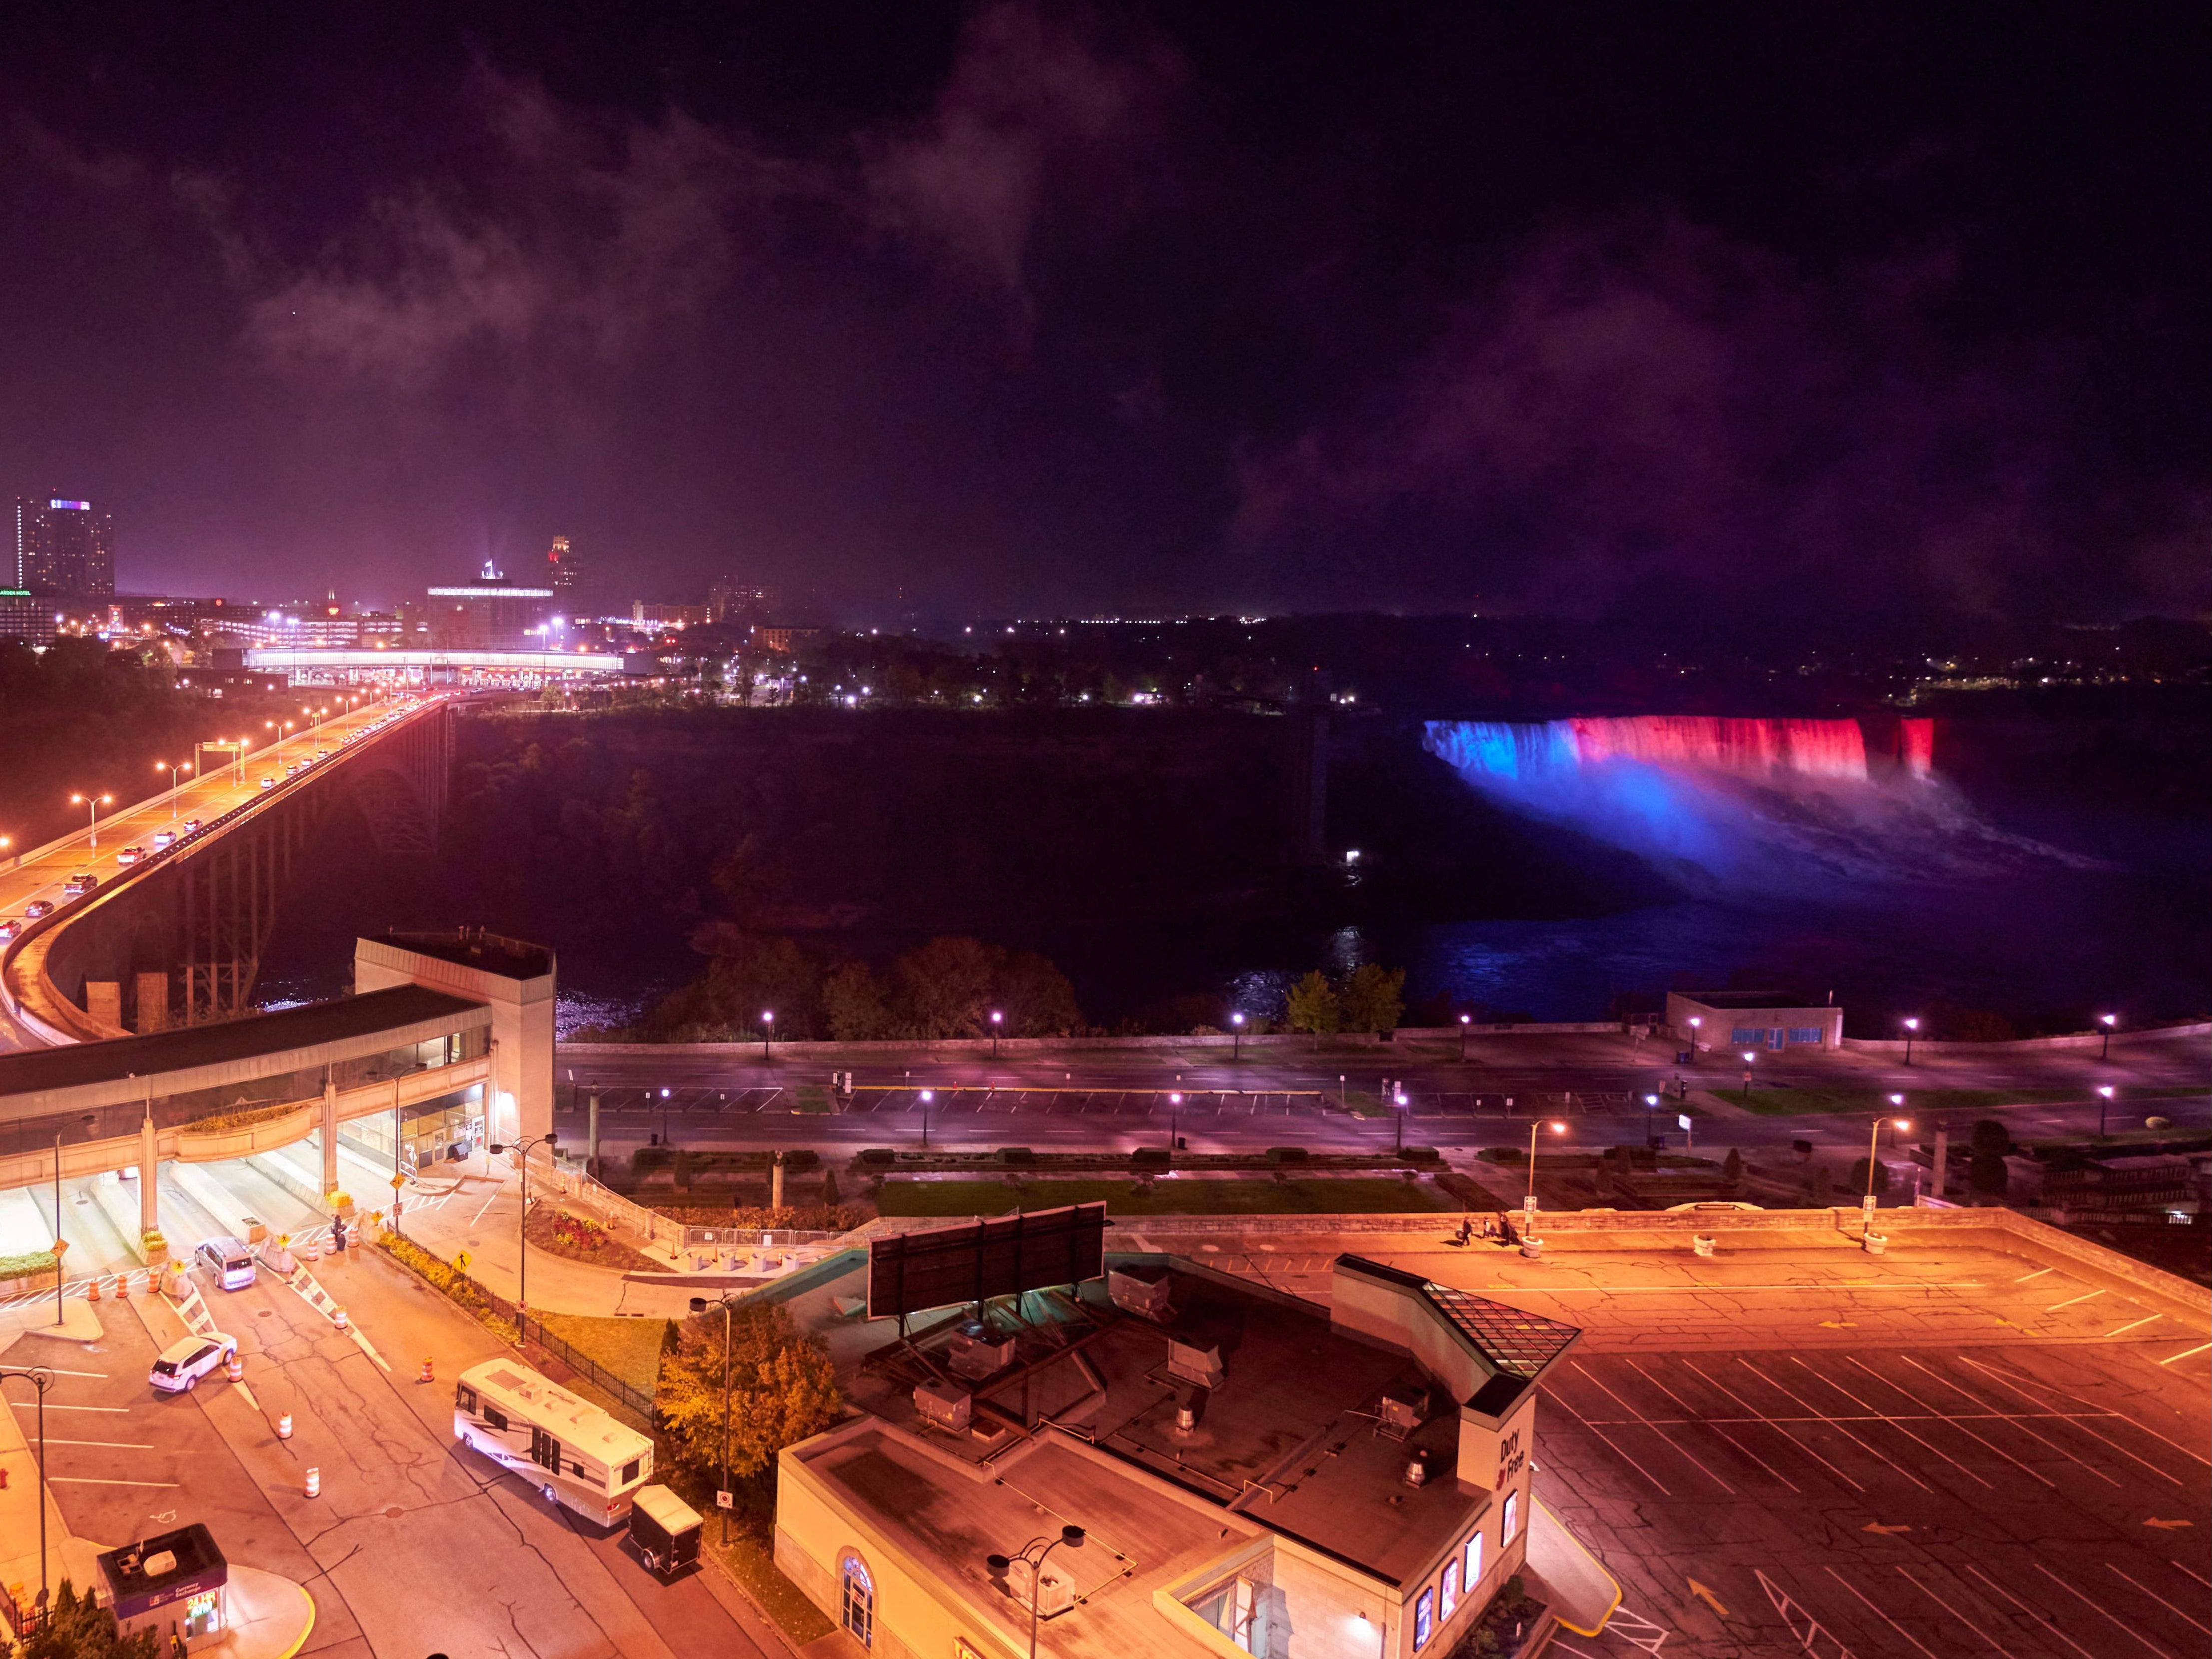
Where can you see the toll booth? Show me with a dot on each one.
(173, 1585)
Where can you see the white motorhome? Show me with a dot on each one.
(574, 1452)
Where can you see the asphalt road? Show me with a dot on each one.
(1597, 1086)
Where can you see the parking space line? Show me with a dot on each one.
(1884, 1617)
(1623, 1454)
(1892, 1421)
(2193, 1573)
(2006, 1377)
(2160, 1599)
(1799, 1444)
(55, 1406)
(2085, 1296)
(1854, 1439)
(2101, 1612)
(2185, 1353)
(59, 1371)
(2038, 1274)
(1713, 1426)
(2018, 1422)
(87, 1480)
(2131, 1324)
(1654, 1428)
(1962, 1427)
(1956, 1615)
(2036, 1613)
(111, 1445)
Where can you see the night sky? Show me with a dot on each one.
(1800, 311)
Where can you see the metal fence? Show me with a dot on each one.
(752, 1238)
(631, 1399)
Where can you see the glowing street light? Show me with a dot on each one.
(1465, 1019)
(1237, 1036)
(928, 1095)
(2104, 1105)
(768, 1029)
(997, 1019)
(1529, 1204)
(1750, 1059)
(2108, 1020)
(1873, 1133)
(95, 802)
(172, 769)
(1697, 1021)
(1911, 1029)
(1175, 1121)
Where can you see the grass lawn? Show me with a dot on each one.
(810, 1097)
(631, 1348)
(1805, 1102)
(1352, 1195)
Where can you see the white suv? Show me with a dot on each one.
(182, 1364)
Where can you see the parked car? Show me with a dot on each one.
(229, 1260)
(80, 884)
(182, 1364)
(37, 908)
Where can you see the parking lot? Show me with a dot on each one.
(1799, 1448)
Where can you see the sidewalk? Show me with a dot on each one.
(1580, 1592)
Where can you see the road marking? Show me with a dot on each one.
(1715, 1427)
(2167, 1526)
(2038, 1274)
(1703, 1284)
(53, 1405)
(2036, 1613)
(2101, 1611)
(2018, 1421)
(1883, 1527)
(1662, 1433)
(1795, 1443)
(87, 1480)
(1708, 1598)
(2131, 1324)
(59, 1371)
(1956, 1615)
(1894, 1422)
(2070, 1301)
(1885, 1618)
(2185, 1353)
(2197, 1576)
(2079, 1400)
(1999, 1450)
(1848, 1435)
(2160, 1599)
(112, 1445)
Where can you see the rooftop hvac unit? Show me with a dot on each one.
(1055, 1592)
(980, 1356)
(1136, 1293)
(1191, 1361)
(944, 1405)
(1417, 1470)
(1403, 1411)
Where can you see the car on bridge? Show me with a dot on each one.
(9, 927)
(131, 856)
(192, 828)
(80, 884)
(268, 783)
(37, 908)
(163, 838)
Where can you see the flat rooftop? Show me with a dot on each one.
(1726, 999)
(1289, 1437)
(1137, 1540)
(38, 1071)
(513, 958)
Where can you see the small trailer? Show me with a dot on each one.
(665, 1530)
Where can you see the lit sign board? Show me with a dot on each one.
(73, 506)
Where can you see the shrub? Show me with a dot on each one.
(828, 1189)
(801, 1158)
(1503, 1153)
(1732, 1169)
(31, 1261)
(1151, 1156)
(1016, 1154)
(879, 1154)
(1286, 1155)
(1991, 1139)
(1417, 1154)
(1987, 1174)
(1880, 1177)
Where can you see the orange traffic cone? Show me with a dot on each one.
(236, 1367)
(314, 1482)
(92, 1291)
(122, 1287)
(284, 1426)
(426, 1376)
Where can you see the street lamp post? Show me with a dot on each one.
(1697, 1022)
(1529, 1204)
(928, 1095)
(521, 1150)
(1750, 1058)
(173, 769)
(664, 1117)
(700, 1305)
(95, 802)
(1465, 1020)
(997, 1019)
(768, 1029)
(61, 1245)
(1071, 1536)
(42, 1378)
(2104, 1105)
(2108, 1020)
(1175, 1122)
(1236, 1038)
(1911, 1029)
(1873, 1133)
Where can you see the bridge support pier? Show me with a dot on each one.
(330, 1135)
(149, 1179)
(592, 1145)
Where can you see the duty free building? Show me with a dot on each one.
(1255, 1473)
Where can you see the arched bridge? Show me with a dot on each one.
(189, 883)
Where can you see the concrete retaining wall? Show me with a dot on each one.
(1058, 1045)
(2027, 1045)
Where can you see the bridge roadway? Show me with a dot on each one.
(40, 874)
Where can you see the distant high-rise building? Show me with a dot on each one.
(63, 547)
(729, 600)
(490, 613)
(564, 571)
